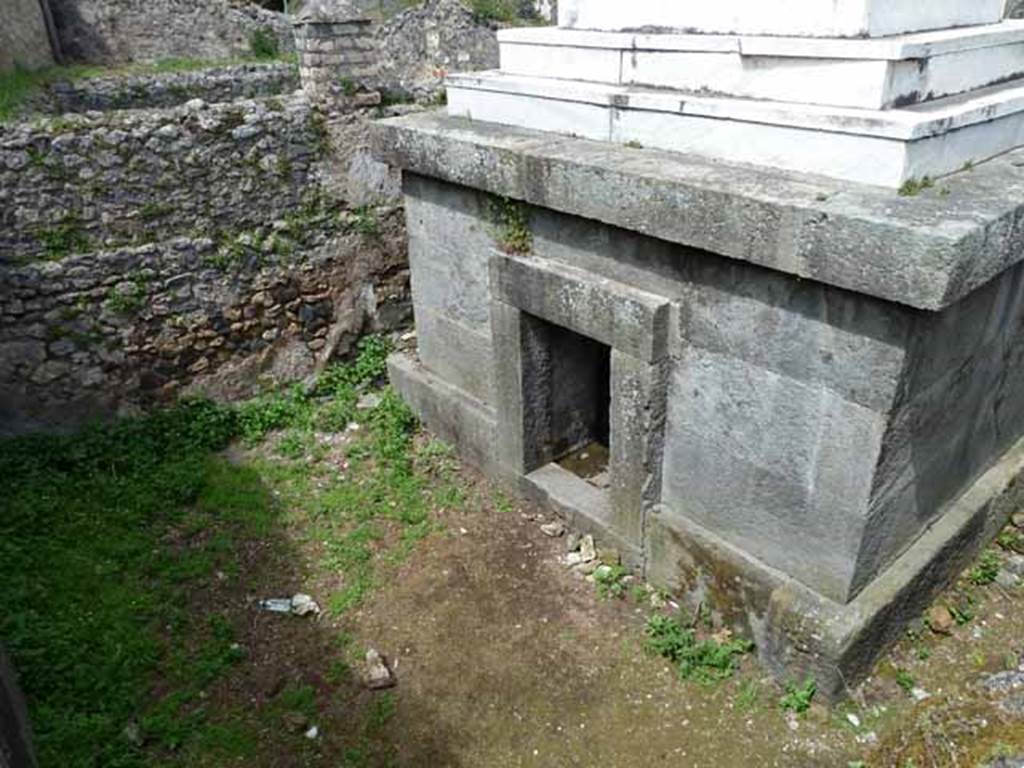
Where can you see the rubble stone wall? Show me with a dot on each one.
(74, 183)
(208, 249)
(148, 91)
(116, 31)
(107, 332)
(418, 47)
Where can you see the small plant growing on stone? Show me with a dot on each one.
(263, 44)
(151, 211)
(348, 86)
(706, 661)
(126, 298)
(798, 697)
(365, 222)
(63, 240)
(491, 11)
(512, 228)
(986, 571)
(914, 187)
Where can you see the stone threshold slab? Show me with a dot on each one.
(927, 251)
(863, 74)
(811, 18)
(884, 148)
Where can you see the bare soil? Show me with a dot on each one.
(506, 658)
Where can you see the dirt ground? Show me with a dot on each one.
(504, 657)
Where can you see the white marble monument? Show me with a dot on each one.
(880, 92)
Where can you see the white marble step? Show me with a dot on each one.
(882, 147)
(865, 74)
(806, 18)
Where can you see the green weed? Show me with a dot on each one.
(511, 225)
(705, 660)
(263, 44)
(64, 239)
(986, 570)
(366, 222)
(798, 697)
(610, 581)
(905, 680)
(748, 696)
(914, 187)
(1012, 540)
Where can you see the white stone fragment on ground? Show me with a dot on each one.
(573, 559)
(588, 551)
(792, 721)
(313, 733)
(378, 673)
(369, 401)
(554, 530)
(1007, 580)
(853, 720)
(1014, 564)
(920, 694)
(304, 605)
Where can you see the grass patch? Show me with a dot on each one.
(111, 537)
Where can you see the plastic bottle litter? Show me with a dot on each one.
(299, 605)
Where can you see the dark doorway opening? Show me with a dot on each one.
(569, 376)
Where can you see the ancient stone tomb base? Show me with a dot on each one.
(809, 391)
(786, 391)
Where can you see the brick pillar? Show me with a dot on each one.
(338, 55)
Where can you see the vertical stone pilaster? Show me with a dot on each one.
(637, 437)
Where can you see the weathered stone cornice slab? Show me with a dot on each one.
(926, 251)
